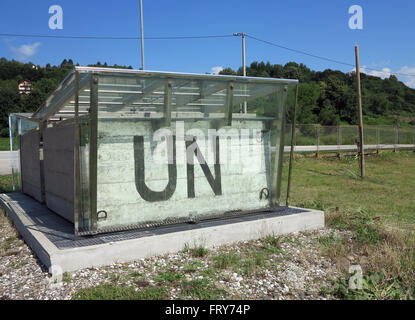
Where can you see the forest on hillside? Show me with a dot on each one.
(327, 97)
(44, 81)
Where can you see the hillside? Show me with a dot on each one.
(327, 97)
(43, 79)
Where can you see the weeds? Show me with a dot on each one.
(197, 251)
(111, 292)
(66, 277)
(168, 276)
(226, 260)
(374, 287)
(202, 289)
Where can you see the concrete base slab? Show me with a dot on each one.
(53, 240)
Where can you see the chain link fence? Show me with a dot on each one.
(313, 137)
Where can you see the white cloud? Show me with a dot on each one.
(25, 51)
(408, 80)
(384, 73)
(216, 70)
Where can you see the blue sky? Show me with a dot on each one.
(319, 27)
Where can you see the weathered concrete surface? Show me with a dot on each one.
(34, 221)
(31, 164)
(58, 154)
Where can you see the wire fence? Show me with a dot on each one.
(314, 137)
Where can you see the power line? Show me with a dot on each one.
(110, 37)
(299, 51)
(324, 58)
(196, 37)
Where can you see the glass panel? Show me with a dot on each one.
(17, 127)
(63, 94)
(84, 212)
(177, 148)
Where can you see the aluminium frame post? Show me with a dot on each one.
(245, 104)
(11, 152)
(229, 103)
(168, 91)
(287, 200)
(42, 127)
(93, 152)
(77, 209)
(279, 153)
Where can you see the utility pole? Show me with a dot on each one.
(243, 62)
(142, 34)
(359, 102)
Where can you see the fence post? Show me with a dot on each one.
(414, 137)
(377, 139)
(396, 138)
(339, 140)
(318, 140)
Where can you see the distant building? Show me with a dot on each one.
(25, 87)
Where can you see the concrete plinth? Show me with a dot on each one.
(51, 237)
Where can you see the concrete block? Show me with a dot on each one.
(58, 153)
(30, 164)
(169, 239)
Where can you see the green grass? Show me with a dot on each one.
(112, 292)
(4, 144)
(6, 185)
(202, 289)
(333, 184)
(196, 251)
(168, 276)
(226, 260)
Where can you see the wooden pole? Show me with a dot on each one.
(359, 102)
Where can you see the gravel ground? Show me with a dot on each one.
(297, 270)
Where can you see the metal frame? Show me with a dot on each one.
(229, 104)
(194, 76)
(279, 153)
(11, 152)
(93, 152)
(77, 187)
(82, 83)
(290, 167)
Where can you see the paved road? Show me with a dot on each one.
(346, 147)
(5, 155)
(5, 163)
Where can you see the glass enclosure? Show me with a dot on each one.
(19, 124)
(154, 148)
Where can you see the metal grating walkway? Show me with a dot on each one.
(60, 232)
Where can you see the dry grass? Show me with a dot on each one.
(387, 253)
